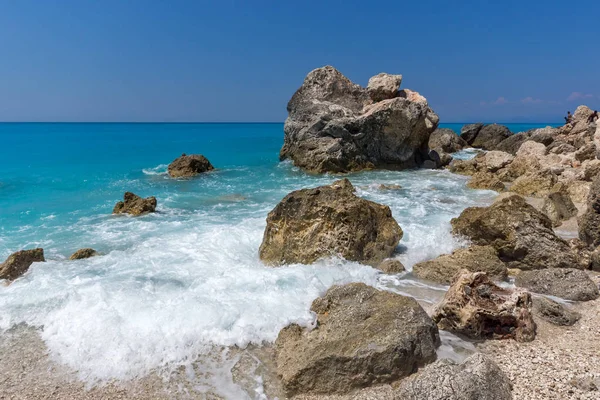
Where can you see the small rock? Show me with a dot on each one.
(83, 253)
(558, 205)
(446, 140)
(391, 266)
(384, 86)
(554, 312)
(135, 205)
(188, 166)
(486, 180)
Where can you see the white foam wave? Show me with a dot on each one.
(158, 170)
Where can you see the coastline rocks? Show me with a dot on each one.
(538, 183)
(326, 221)
(566, 283)
(446, 140)
(391, 266)
(83, 253)
(558, 205)
(334, 126)
(18, 263)
(522, 235)
(475, 307)
(187, 166)
(589, 222)
(490, 136)
(384, 86)
(553, 312)
(495, 160)
(363, 336)
(476, 378)
(469, 132)
(135, 205)
(486, 180)
(474, 259)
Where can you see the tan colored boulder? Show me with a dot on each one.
(327, 221)
(536, 184)
(188, 166)
(558, 205)
(135, 205)
(384, 86)
(495, 160)
(391, 266)
(474, 259)
(464, 167)
(83, 253)
(18, 263)
(532, 149)
(522, 236)
(475, 307)
(521, 165)
(486, 180)
(362, 337)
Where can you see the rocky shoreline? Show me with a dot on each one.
(367, 343)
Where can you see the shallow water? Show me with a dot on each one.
(170, 286)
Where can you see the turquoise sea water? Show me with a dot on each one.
(170, 285)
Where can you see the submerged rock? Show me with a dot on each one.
(446, 140)
(567, 283)
(363, 336)
(18, 263)
(334, 125)
(187, 166)
(589, 222)
(476, 378)
(475, 307)
(135, 205)
(327, 221)
(553, 312)
(83, 253)
(474, 259)
(522, 235)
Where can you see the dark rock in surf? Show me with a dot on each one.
(490, 136)
(18, 263)
(83, 253)
(446, 140)
(135, 205)
(188, 166)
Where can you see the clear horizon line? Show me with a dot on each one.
(239, 122)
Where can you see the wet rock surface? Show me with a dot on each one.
(18, 263)
(188, 166)
(363, 337)
(135, 205)
(328, 221)
(83, 253)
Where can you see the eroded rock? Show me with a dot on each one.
(384, 86)
(486, 180)
(18, 263)
(490, 136)
(558, 205)
(188, 166)
(83, 253)
(589, 222)
(391, 266)
(553, 312)
(135, 205)
(538, 183)
(567, 283)
(446, 140)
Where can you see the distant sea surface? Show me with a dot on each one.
(170, 285)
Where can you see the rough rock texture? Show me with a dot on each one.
(513, 143)
(579, 191)
(470, 131)
(531, 148)
(495, 160)
(486, 180)
(522, 235)
(384, 86)
(538, 183)
(18, 263)
(187, 166)
(490, 136)
(553, 312)
(326, 221)
(595, 260)
(83, 253)
(135, 205)
(446, 140)
(558, 205)
(333, 126)
(363, 337)
(477, 378)
(474, 259)
(391, 266)
(567, 283)
(475, 307)
(589, 222)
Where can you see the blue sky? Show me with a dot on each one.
(174, 60)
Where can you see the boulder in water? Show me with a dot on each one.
(475, 307)
(327, 221)
(490, 136)
(363, 336)
(334, 125)
(476, 378)
(475, 259)
(522, 235)
(391, 266)
(18, 263)
(83, 253)
(188, 166)
(135, 205)
(567, 283)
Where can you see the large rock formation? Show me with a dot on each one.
(474, 259)
(475, 307)
(363, 336)
(477, 378)
(446, 141)
(188, 166)
(490, 136)
(541, 135)
(83, 253)
(335, 125)
(470, 131)
(522, 235)
(567, 283)
(18, 263)
(326, 221)
(589, 222)
(135, 205)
